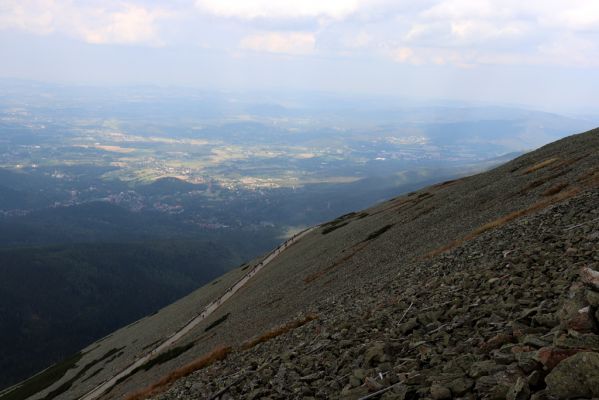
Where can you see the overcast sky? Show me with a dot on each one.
(539, 52)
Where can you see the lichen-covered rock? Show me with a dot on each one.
(576, 376)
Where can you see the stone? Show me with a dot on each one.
(375, 354)
(570, 308)
(460, 386)
(576, 376)
(547, 320)
(590, 277)
(527, 362)
(497, 386)
(354, 381)
(461, 363)
(482, 368)
(519, 391)
(439, 392)
(349, 393)
(497, 341)
(534, 341)
(551, 356)
(535, 379)
(373, 385)
(592, 297)
(584, 341)
(408, 326)
(583, 321)
(257, 393)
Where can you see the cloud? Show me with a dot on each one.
(576, 16)
(456, 32)
(31, 16)
(94, 22)
(246, 9)
(280, 42)
(467, 33)
(132, 24)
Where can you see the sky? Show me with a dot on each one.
(543, 53)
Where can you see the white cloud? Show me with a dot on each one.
(250, 9)
(507, 32)
(31, 16)
(99, 23)
(581, 15)
(459, 32)
(133, 24)
(280, 42)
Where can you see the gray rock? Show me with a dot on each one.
(576, 376)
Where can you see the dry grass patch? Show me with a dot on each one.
(590, 179)
(562, 195)
(540, 165)
(543, 180)
(218, 354)
(555, 189)
(566, 163)
(278, 331)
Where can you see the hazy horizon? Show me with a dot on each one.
(539, 54)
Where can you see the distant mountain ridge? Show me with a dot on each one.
(469, 288)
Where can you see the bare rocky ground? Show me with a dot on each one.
(507, 315)
(466, 289)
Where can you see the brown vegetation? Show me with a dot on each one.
(555, 189)
(540, 165)
(218, 354)
(561, 195)
(566, 163)
(278, 331)
(591, 178)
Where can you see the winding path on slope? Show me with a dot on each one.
(208, 310)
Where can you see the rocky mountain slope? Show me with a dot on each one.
(483, 287)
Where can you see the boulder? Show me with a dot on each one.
(575, 377)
